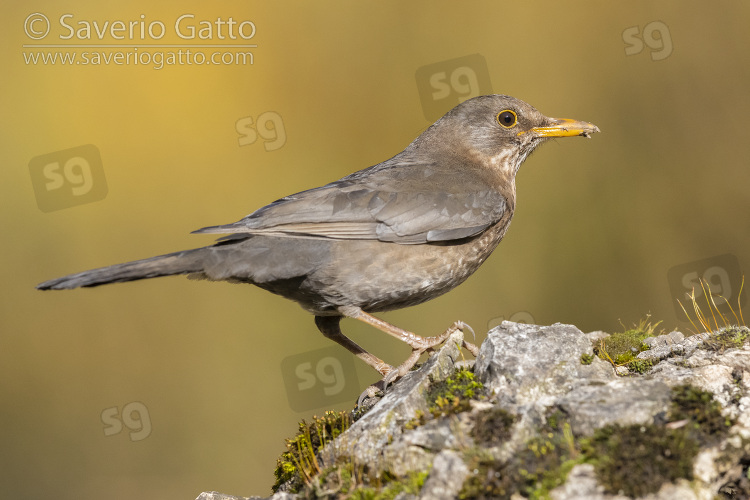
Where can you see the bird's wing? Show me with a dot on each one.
(387, 205)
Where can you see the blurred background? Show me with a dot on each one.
(166, 388)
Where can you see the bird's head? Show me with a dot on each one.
(499, 131)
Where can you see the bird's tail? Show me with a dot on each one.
(185, 262)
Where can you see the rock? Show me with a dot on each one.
(532, 362)
(582, 485)
(622, 401)
(214, 495)
(446, 477)
(553, 420)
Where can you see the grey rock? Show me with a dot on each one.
(446, 477)
(622, 371)
(405, 496)
(582, 485)
(215, 495)
(625, 401)
(666, 340)
(671, 344)
(531, 362)
(534, 372)
(676, 343)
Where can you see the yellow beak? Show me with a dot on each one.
(564, 127)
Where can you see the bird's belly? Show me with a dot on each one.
(381, 276)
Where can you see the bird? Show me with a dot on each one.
(393, 235)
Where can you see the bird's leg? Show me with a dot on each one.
(418, 344)
(329, 327)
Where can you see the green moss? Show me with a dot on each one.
(623, 347)
(732, 337)
(640, 365)
(701, 409)
(587, 359)
(636, 460)
(541, 465)
(492, 427)
(411, 483)
(450, 396)
(298, 469)
(298, 463)
(346, 480)
(555, 420)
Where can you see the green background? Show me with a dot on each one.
(599, 222)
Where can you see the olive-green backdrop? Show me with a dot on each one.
(169, 387)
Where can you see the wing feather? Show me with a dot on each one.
(374, 207)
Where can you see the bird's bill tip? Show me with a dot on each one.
(564, 127)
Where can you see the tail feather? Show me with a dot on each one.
(185, 262)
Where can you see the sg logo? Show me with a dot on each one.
(519, 317)
(269, 126)
(657, 38)
(67, 178)
(134, 416)
(720, 275)
(319, 378)
(446, 84)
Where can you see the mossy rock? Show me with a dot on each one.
(636, 460)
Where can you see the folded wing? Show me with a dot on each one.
(381, 206)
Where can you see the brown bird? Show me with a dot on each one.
(393, 235)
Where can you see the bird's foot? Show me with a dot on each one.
(371, 392)
(428, 344)
(390, 375)
(419, 346)
(423, 344)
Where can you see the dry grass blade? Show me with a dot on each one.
(713, 309)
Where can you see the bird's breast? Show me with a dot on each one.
(378, 276)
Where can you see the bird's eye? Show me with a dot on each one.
(507, 118)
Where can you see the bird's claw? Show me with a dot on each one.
(473, 349)
(371, 392)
